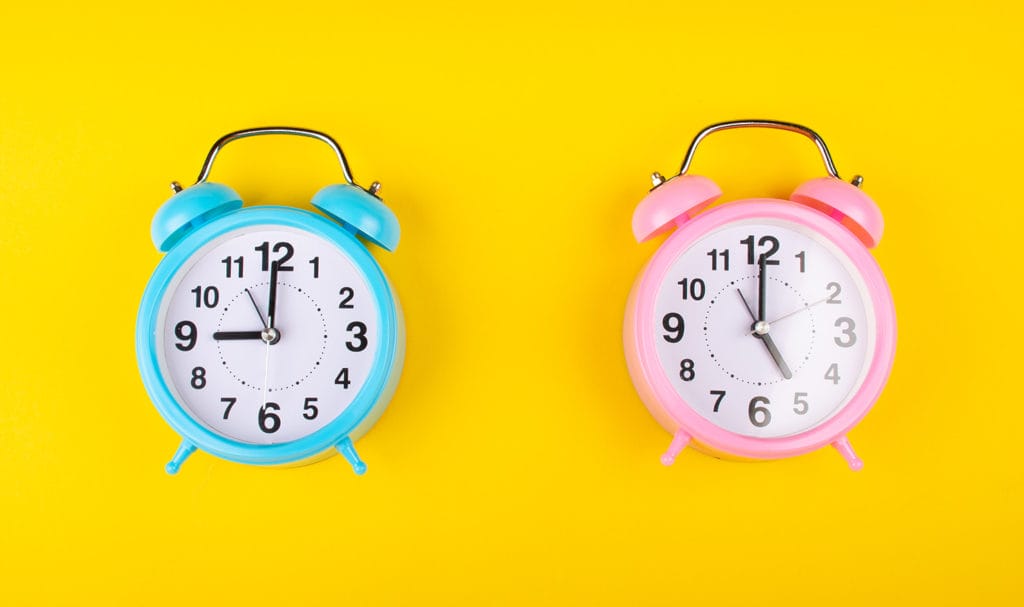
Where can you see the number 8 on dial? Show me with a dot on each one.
(269, 335)
(761, 328)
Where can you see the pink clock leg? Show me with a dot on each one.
(842, 445)
(184, 450)
(679, 442)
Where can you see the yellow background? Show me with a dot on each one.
(516, 464)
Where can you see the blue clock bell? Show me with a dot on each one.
(269, 335)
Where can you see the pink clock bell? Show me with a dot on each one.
(761, 328)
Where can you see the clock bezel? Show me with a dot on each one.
(375, 389)
(669, 407)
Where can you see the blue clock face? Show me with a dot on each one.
(267, 333)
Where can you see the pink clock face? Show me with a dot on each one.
(764, 350)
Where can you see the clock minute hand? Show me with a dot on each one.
(762, 288)
(272, 304)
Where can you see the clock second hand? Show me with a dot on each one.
(769, 343)
(266, 375)
(794, 312)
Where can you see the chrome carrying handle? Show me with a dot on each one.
(767, 124)
(274, 130)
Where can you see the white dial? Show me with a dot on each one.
(267, 334)
(768, 372)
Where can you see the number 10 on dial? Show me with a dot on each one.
(761, 328)
(269, 335)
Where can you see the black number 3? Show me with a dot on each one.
(359, 335)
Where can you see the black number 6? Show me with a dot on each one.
(269, 422)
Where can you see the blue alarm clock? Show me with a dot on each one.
(270, 335)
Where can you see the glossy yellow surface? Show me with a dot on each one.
(516, 464)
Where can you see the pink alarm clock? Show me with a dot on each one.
(762, 328)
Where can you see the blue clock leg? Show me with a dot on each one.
(679, 442)
(842, 445)
(346, 448)
(184, 450)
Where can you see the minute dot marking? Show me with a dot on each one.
(323, 346)
(707, 340)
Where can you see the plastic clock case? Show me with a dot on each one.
(831, 208)
(195, 216)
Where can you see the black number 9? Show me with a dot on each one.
(186, 332)
(673, 323)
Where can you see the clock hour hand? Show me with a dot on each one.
(760, 331)
(221, 335)
(777, 356)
